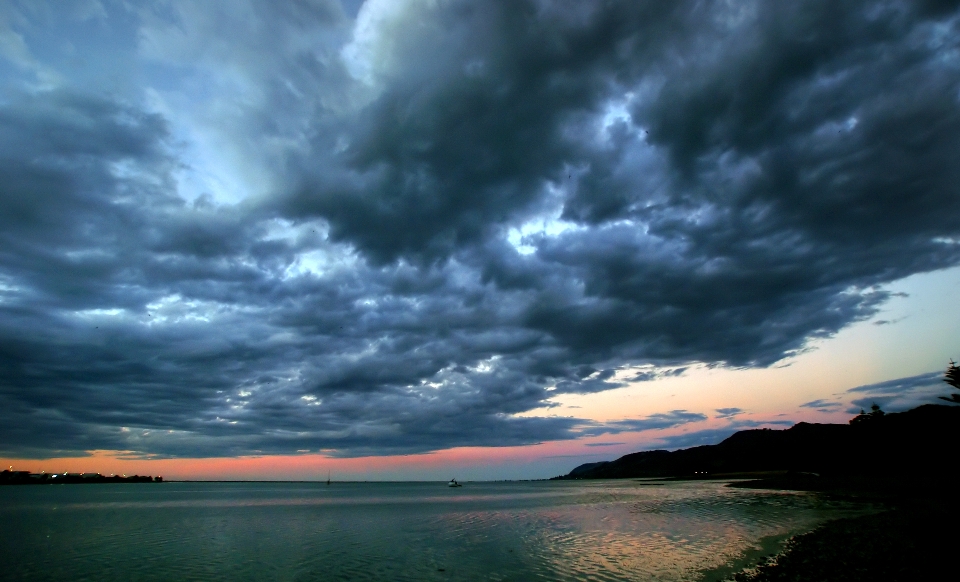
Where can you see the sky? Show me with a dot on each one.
(416, 239)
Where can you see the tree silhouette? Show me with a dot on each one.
(872, 416)
(952, 377)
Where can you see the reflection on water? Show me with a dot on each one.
(597, 530)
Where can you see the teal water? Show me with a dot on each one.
(595, 530)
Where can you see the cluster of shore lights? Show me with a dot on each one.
(65, 473)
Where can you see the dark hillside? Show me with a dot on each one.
(920, 441)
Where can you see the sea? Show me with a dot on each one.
(537, 530)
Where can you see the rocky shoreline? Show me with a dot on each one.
(909, 542)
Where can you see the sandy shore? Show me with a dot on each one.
(911, 542)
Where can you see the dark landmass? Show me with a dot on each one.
(888, 453)
(8, 477)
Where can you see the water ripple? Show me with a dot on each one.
(602, 531)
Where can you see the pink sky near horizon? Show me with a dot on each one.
(537, 461)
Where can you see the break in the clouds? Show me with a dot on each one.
(254, 227)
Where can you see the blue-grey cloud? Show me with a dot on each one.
(899, 394)
(712, 436)
(728, 412)
(901, 385)
(244, 227)
(656, 421)
(822, 405)
(657, 374)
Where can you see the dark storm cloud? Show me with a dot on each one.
(474, 122)
(484, 206)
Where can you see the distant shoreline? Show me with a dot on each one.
(22, 478)
(34, 480)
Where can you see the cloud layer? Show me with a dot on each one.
(238, 228)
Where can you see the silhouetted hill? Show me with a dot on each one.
(921, 441)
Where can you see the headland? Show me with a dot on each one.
(902, 461)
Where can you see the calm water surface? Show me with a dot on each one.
(596, 530)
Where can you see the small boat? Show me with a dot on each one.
(453, 483)
(328, 477)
